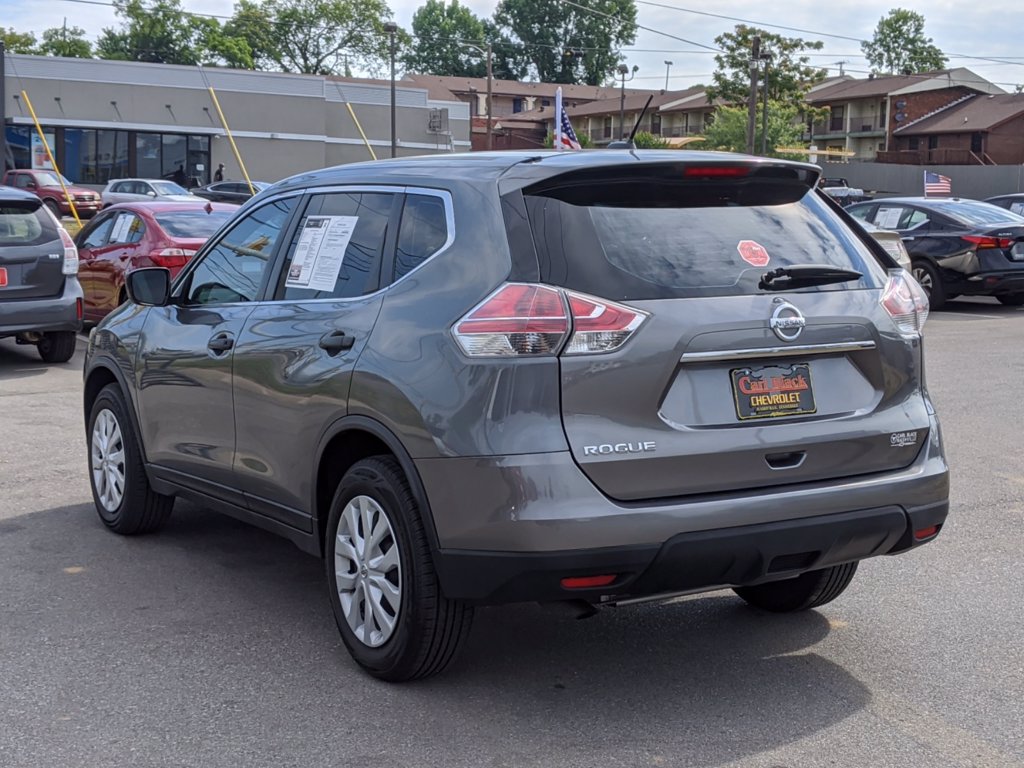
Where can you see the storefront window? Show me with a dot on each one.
(95, 156)
(19, 147)
(147, 155)
(174, 158)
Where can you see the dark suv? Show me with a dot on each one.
(590, 377)
(40, 297)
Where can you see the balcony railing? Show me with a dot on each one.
(930, 157)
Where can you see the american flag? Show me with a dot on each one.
(936, 184)
(568, 136)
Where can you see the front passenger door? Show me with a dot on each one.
(186, 353)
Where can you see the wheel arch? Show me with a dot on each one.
(351, 439)
(101, 374)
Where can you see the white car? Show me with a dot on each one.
(136, 190)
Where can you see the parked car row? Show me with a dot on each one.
(957, 247)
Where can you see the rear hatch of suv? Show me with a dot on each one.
(31, 251)
(759, 341)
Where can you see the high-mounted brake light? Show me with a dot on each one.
(528, 319)
(906, 302)
(986, 241)
(716, 171)
(70, 265)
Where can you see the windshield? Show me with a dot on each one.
(977, 213)
(168, 188)
(192, 224)
(49, 179)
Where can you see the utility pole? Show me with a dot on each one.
(391, 29)
(755, 56)
(490, 85)
(623, 71)
(3, 112)
(668, 67)
(767, 58)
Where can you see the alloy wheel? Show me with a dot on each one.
(108, 460)
(924, 278)
(368, 571)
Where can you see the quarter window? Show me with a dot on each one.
(423, 232)
(232, 270)
(337, 249)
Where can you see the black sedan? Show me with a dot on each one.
(1013, 202)
(957, 247)
(229, 191)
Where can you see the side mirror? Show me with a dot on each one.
(150, 286)
(31, 185)
(151, 193)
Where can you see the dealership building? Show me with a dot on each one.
(113, 119)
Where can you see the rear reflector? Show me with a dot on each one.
(926, 533)
(906, 303)
(588, 582)
(3, 277)
(78, 309)
(529, 319)
(984, 241)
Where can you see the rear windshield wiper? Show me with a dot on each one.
(803, 275)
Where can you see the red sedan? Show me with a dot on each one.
(132, 235)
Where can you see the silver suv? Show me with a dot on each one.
(590, 378)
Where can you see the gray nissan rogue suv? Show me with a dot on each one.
(589, 377)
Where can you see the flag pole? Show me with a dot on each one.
(558, 118)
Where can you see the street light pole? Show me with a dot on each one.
(391, 28)
(755, 56)
(668, 66)
(623, 71)
(489, 53)
(767, 58)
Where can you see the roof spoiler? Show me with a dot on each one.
(628, 143)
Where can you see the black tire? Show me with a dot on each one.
(809, 590)
(54, 208)
(57, 346)
(141, 509)
(429, 629)
(928, 275)
(1011, 299)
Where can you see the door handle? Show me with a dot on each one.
(222, 342)
(336, 341)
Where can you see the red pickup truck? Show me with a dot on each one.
(46, 186)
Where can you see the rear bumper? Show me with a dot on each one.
(507, 526)
(995, 283)
(697, 561)
(55, 313)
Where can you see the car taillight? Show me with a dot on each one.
(70, 266)
(906, 302)
(598, 325)
(171, 257)
(986, 241)
(528, 319)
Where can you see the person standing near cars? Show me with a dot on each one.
(219, 174)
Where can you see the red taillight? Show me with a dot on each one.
(588, 582)
(70, 266)
(985, 241)
(78, 309)
(171, 257)
(906, 303)
(518, 319)
(529, 319)
(926, 533)
(716, 171)
(599, 326)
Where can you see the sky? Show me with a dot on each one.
(961, 29)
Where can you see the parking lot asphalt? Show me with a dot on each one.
(212, 644)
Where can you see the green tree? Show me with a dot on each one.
(790, 73)
(439, 30)
(899, 45)
(155, 30)
(317, 37)
(645, 140)
(18, 42)
(65, 41)
(564, 44)
(728, 131)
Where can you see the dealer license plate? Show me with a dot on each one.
(773, 391)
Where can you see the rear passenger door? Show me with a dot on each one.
(296, 353)
(113, 260)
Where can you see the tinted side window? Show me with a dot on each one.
(128, 228)
(423, 232)
(337, 249)
(96, 236)
(232, 270)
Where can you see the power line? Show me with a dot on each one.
(640, 26)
